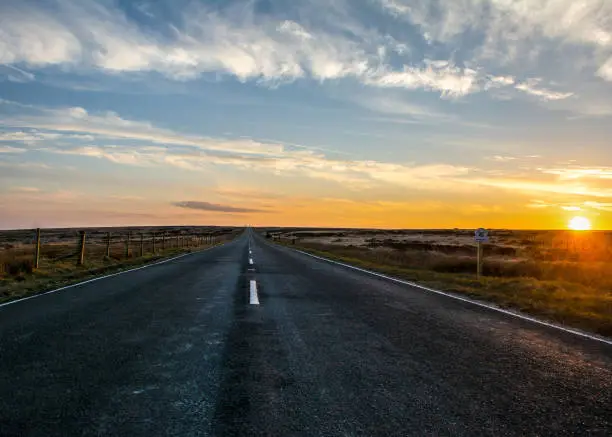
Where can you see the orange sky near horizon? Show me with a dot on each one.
(30, 209)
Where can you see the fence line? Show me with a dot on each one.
(90, 246)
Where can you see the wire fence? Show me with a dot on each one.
(46, 249)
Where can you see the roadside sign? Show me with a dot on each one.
(481, 235)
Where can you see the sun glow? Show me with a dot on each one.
(579, 224)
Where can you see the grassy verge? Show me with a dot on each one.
(564, 302)
(58, 274)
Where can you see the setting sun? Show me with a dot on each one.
(579, 224)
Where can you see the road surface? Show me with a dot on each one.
(177, 349)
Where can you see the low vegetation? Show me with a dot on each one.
(59, 255)
(568, 289)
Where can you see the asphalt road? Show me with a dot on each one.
(177, 349)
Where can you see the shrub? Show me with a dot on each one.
(18, 266)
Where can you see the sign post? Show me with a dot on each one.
(480, 236)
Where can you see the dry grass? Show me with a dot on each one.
(58, 261)
(572, 294)
(594, 274)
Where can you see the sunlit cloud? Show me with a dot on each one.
(534, 186)
(164, 147)
(500, 158)
(572, 206)
(187, 152)
(440, 75)
(515, 24)
(605, 206)
(531, 87)
(605, 71)
(252, 47)
(26, 189)
(577, 172)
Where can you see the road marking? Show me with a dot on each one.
(463, 299)
(254, 298)
(104, 277)
(251, 261)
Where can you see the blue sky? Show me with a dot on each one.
(390, 113)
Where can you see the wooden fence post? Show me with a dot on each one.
(37, 249)
(81, 259)
(141, 244)
(163, 241)
(108, 242)
(177, 242)
(153, 242)
(127, 245)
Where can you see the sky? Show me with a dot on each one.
(340, 113)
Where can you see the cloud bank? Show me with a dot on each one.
(108, 136)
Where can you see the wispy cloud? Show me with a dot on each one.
(578, 172)
(509, 28)
(535, 186)
(395, 105)
(10, 149)
(163, 147)
(26, 189)
(28, 138)
(500, 158)
(114, 138)
(531, 87)
(207, 206)
(605, 206)
(15, 74)
(111, 125)
(571, 206)
(440, 75)
(564, 41)
(239, 42)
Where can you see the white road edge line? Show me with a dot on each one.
(254, 300)
(463, 299)
(104, 277)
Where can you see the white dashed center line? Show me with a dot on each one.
(254, 298)
(251, 261)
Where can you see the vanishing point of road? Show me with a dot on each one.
(254, 339)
